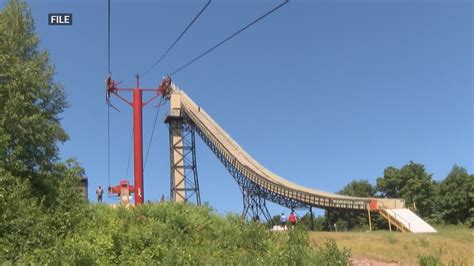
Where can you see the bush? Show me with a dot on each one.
(329, 254)
(296, 249)
(429, 260)
(23, 225)
(166, 233)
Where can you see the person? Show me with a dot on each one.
(292, 219)
(283, 220)
(99, 192)
(162, 199)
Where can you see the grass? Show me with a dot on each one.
(453, 244)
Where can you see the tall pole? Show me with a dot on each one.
(137, 104)
(138, 144)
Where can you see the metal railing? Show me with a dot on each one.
(396, 217)
(270, 186)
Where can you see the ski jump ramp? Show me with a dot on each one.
(257, 183)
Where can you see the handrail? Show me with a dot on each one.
(395, 216)
(409, 224)
(256, 178)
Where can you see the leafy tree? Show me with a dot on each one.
(319, 222)
(358, 188)
(391, 183)
(456, 197)
(27, 225)
(39, 201)
(23, 224)
(30, 102)
(470, 221)
(411, 183)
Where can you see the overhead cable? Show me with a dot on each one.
(108, 106)
(228, 38)
(161, 103)
(177, 39)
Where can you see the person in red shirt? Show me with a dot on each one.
(292, 219)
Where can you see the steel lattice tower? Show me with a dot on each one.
(184, 182)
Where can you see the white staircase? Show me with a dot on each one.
(410, 221)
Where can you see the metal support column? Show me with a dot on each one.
(254, 196)
(138, 144)
(184, 182)
(255, 207)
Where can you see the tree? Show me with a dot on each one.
(413, 184)
(39, 200)
(26, 224)
(319, 222)
(456, 197)
(390, 184)
(358, 188)
(30, 102)
(471, 205)
(23, 223)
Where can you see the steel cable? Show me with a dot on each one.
(108, 106)
(177, 39)
(228, 38)
(108, 35)
(161, 103)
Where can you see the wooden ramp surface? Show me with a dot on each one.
(412, 222)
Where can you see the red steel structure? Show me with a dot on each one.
(137, 104)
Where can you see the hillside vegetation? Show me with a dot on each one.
(452, 245)
(166, 233)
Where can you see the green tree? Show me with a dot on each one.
(391, 183)
(456, 197)
(411, 183)
(319, 222)
(39, 201)
(358, 188)
(30, 102)
(471, 206)
(27, 225)
(23, 223)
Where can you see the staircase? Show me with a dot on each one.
(406, 221)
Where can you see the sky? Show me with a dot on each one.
(320, 92)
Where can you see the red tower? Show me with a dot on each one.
(137, 104)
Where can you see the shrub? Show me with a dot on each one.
(330, 254)
(429, 260)
(166, 233)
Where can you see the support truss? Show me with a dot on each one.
(184, 182)
(184, 179)
(255, 207)
(254, 196)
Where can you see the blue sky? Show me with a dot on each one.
(321, 92)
